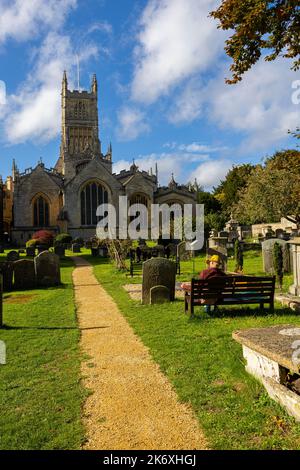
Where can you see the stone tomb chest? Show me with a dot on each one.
(273, 357)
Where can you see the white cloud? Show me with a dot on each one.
(102, 26)
(176, 40)
(24, 19)
(189, 105)
(210, 173)
(260, 106)
(194, 147)
(2, 93)
(132, 123)
(34, 111)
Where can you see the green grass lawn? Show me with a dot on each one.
(206, 366)
(40, 390)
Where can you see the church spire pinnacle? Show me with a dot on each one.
(94, 84)
(64, 82)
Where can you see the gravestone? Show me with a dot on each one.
(158, 272)
(88, 244)
(59, 250)
(273, 357)
(1, 249)
(182, 253)
(6, 269)
(12, 256)
(76, 248)
(24, 274)
(47, 269)
(295, 248)
(30, 251)
(94, 252)
(267, 253)
(159, 295)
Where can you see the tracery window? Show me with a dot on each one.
(40, 212)
(92, 196)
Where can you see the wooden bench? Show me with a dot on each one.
(230, 290)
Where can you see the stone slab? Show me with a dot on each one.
(275, 343)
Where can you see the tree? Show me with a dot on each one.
(238, 256)
(273, 191)
(259, 25)
(227, 193)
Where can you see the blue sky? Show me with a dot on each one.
(160, 66)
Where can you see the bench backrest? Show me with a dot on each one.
(233, 286)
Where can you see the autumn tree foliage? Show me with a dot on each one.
(260, 27)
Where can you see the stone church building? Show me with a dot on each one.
(65, 198)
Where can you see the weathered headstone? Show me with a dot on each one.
(158, 272)
(88, 244)
(267, 253)
(47, 269)
(30, 251)
(1, 249)
(6, 269)
(12, 256)
(24, 274)
(159, 295)
(76, 248)
(59, 250)
(95, 252)
(182, 253)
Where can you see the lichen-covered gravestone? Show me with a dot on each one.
(158, 272)
(6, 269)
(47, 269)
(267, 253)
(24, 274)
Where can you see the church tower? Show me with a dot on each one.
(80, 132)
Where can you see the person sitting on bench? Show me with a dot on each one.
(212, 271)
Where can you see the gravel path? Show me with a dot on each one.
(133, 406)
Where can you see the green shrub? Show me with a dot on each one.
(238, 256)
(63, 238)
(33, 242)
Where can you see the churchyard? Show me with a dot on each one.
(42, 391)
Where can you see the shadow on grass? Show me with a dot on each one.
(8, 328)
(200, 314)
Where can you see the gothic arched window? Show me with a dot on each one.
(92, 196)
(40, 212)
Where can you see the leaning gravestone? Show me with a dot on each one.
(6, 269)
(24, 274)
(267, 253)
(158, 272)
(182, 253)
(47, 269)
(12, 256)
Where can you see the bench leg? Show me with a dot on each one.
(272, 307)
(191, 309)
